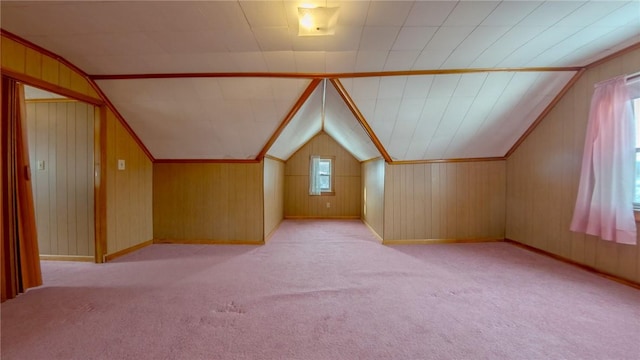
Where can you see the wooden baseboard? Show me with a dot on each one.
(590, 269)
(438, 241)
(207, 242)
(322, 217)
(117, 254)
(380, 240)
(68, 258)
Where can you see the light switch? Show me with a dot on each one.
(40, 164)
(120, 164)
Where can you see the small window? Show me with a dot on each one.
(321, 180)
(324, 174)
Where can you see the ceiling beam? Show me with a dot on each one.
(363, 122)
(294, 110)
(288, 75)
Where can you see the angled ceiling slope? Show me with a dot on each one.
(229, 79)
(204, 118)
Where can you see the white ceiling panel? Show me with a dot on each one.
(429, 13)
(237, 115)
(416, 117)
(261, 14)
(400, 60)
(378, 38)
(343, 127)
(510, 13)
(306, 123)
(470, 13)
(414, 38)
(457, 114)
(279, 61)
(341, 61)
(274, 38)
(388, 13)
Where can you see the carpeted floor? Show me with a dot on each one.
(323, 290)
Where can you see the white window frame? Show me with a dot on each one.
(314, 177)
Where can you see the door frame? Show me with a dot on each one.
(99, 155)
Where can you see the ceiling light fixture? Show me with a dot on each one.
(317, 21)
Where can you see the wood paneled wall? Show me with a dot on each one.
(129, 191)
(543, 176)
(273, 194)
(373, 194)
(459, 200)
(61, 135)
(128, 200)
(208, 201)
(347, 199)
(18, 58)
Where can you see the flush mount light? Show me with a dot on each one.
(317, 21)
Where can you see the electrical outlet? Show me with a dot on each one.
(328, 205)
(40, 164)
(120, 164)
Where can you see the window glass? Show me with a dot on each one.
(324, 170)
(636, 111)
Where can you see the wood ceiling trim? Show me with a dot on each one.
(624, 51)
(70, 93)
(363, 122)
(439, 161)
(294, 110)
(274, 158)
(206, 161)
(41, 84)
(208, 75)
(451, 71)
(545, 112)
(42, 51)
(288, 75)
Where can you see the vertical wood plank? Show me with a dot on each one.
(545, 171)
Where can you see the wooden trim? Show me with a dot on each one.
(624, 51)
(41, 84)
(302, 217)
(50, 100)
(411, 162)
(207, 242)
(380, 239)
(67, 258)
(275, 158)
(126, 251)
(100, 183)
(303, 98)
(313, 76)
(575, 263)
(67, 92)
(123, 122)
(545, 112)
(45, 52)
(363, 122)
(636, 214)
(206, 161)
(439, 241)
(319, 76)
(452, 71)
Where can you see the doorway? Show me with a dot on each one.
(61, 153)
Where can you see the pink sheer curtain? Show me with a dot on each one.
(604, 206)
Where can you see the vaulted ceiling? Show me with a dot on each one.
(406, 80)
